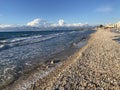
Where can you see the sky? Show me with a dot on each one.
(24, 12)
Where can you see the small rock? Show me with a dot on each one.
(52, 62)
(84, 84)
(47, 67)
(37, 84)
(82, 88)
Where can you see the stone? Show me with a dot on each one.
(52, 62)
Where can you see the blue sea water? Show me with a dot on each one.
(19, 49)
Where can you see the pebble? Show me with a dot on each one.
(52, 62)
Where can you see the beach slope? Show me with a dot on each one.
(95, 66)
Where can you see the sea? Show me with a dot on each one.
(19, 50)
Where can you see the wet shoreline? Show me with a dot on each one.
(43, 66)
(49, 64)
(95, 66)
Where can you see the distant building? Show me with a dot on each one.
(116, 25)
(110, 26)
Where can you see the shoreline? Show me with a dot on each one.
(96, 65)
(43, 70)
(52, 77)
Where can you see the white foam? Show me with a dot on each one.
(29, 40)
(24, 38)
(1, 46)
(2, 41)
(26, 84)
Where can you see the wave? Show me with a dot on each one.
(1, 46)
(26, 40)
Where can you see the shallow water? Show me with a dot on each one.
(19, 50)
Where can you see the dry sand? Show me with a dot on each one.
(95, 67)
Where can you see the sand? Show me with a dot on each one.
(94, 67)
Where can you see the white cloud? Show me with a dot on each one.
(44, 24)
(37, 22)
(61, 22)
(76, 24)
(104, 9)
(5, 25)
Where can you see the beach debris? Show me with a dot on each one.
(52, 62)
(55, 61)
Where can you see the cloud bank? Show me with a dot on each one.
(5, 25)
(38, 22)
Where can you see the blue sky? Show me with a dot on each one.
(71, 11)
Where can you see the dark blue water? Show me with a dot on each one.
(19, 49)
(8, 35)
(12, 39)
